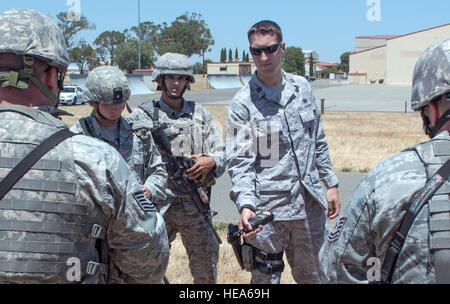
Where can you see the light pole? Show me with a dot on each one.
(139, 34)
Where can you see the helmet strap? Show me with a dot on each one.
(432, 131)
(170, 95)
(19, 79)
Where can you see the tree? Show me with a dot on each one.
(230, 55)
(294, 61)
(243, 55)
(71, 28)
(126, 55)
(311, 65)
(83, 56)
(236, 55)
(187, 35)
(223, 55)
(345, 62)
(107, 42)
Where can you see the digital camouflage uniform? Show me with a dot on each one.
(381, 200)
(277, 155)
(139, 152)
(79, 204)
(190, 131)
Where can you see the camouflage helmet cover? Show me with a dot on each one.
(29, 32)
(175, 64)
(431, 76)
(108, 85)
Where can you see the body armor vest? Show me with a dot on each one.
(186, 138)
(433, 155)
(49, 226)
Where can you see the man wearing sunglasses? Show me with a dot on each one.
(277, 155)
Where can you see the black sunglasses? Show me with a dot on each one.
(267, 49)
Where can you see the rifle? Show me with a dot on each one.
(178, 166)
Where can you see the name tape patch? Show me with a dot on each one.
(334, 235)
(142, 200)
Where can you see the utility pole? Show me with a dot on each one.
(139, 34)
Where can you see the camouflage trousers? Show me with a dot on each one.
(300, 240)
(201, 246)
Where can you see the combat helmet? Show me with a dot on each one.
(33, 35)
(106, 84)
(431, 79)
(173, 64)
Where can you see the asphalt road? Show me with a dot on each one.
(227, 211)
(375, 97)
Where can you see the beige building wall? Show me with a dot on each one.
(404, 51)
(227, 68)
(222, 68)
(371, 62)
(368, 43)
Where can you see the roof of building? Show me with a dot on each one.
(377, 37)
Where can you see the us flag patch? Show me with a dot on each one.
(334, 235)
(142, 200)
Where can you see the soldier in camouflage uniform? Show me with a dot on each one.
(358, 244)
(192, 133)
(277, 154)
(79, 214)
(107, 92)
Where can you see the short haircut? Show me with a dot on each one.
(266, 27)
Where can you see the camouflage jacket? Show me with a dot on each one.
(142, 156)
(190, 131)
(374, 213)
(80, 182)
(276, 148)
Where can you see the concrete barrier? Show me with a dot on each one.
(135, 82)
(224, 81)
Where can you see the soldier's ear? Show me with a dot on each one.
(50, 79)
(434, 113)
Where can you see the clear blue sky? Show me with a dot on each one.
(327, 26)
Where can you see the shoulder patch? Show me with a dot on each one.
(143, 202)
(334, 235)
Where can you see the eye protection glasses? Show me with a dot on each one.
(267, 49)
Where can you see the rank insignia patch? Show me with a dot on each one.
(334, 235)
(142, 200)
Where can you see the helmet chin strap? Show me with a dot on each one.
(96, 110)
(432, 131)
(170, 95)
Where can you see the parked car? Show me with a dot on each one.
(310, 78)
(71, 95)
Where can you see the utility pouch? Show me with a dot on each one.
(247, 257)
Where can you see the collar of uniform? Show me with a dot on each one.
(261, 90)
(188, 108)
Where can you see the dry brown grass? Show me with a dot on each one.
(228, 269)
(357, 141)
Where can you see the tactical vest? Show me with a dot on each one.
(185, 135)
(49, 226)
(433, 155)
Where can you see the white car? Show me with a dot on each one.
(71, 95)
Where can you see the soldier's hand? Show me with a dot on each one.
(334, 203)
(146, 192)
(201, 168)
(246, 215)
